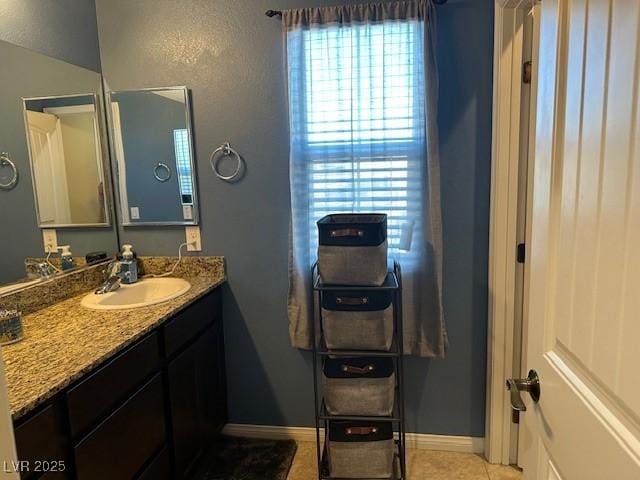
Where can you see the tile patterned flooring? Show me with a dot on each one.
(421, 464)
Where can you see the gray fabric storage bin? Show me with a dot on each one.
(360, 449)
(361, 320)
(352, 249)
(359, 386)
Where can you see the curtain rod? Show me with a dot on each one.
(278, 13)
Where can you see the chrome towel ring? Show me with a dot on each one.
(160, 168)
(13, 181)
(225, 150)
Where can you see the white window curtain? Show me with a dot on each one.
(362, 104)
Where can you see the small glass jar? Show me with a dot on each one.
(10, 326)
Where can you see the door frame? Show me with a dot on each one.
(510, 201)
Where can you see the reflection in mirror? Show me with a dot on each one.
(52, 87)
(153, 147)
(63, 134)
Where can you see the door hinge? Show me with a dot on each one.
(515, 416)
(521, 252)
(527, 68)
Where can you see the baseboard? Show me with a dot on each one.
(422, 441)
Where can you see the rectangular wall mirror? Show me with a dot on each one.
(152, 144)
(63, 135)
(55, 111)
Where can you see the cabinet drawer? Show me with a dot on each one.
(104, 389)
(192, 321)
(159, 468)
(42, 438)
(120, 446)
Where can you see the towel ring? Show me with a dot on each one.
(158, 168)
(5, 160)
(226, 151)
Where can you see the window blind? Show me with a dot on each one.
(183, 164)
(359, 123)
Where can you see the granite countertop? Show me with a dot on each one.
(65, 341)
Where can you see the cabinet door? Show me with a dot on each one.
(42, 443)
(211, 382)
(184, 399)
(198, 398)
(127, 439)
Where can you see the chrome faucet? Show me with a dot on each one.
(112, 282)
(43, 269)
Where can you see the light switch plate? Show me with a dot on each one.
(50, 240)
(194, 243)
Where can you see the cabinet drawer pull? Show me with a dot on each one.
(358, 370)
(361, 431)
(347, 232)
(352, 300)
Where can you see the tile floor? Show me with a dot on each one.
(421, 465)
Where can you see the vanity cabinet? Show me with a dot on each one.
(147, 413)
(194, 380)
(196, 383)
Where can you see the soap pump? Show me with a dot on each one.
(128, 265)
(66, 256)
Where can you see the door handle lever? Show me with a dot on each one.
(530, 384)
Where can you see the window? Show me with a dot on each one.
(357, 122)
(183, 164)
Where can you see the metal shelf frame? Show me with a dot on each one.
(392, 283)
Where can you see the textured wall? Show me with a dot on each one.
(63, 29)
(230, 55)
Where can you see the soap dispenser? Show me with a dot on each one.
(128, 265)
(66, 257)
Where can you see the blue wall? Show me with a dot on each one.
(230, 55)
(62, 29)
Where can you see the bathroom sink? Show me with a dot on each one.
(146, 292)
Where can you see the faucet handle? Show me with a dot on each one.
(112, 269)
(44, 269)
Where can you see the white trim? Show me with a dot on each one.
(419, 441)
(533, 100)
(507, 153)
(71, 109)
(120, 163)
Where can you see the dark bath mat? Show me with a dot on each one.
(237, 458)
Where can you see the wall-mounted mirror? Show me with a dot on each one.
(152, 145)
(73, 184)
(63, 134)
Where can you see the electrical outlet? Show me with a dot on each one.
(50, 240)
(194, 243)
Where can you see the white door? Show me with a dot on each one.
(584, 297)
(49, 169)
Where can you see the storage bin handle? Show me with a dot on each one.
(352, 300)
(347, 232)
(358, 370)
(360, 431)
